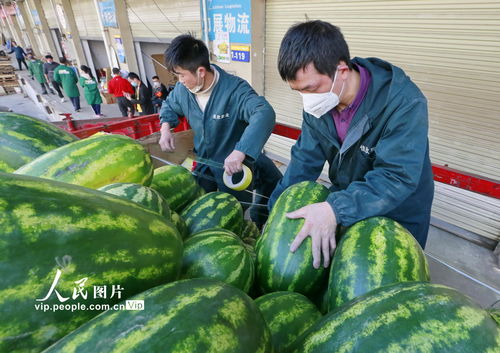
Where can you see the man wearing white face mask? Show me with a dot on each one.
(369, 121)
(231, 123)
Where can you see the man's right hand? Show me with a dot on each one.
(167, 138)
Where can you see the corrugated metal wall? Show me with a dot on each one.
(163, 19)
(86, 18)
(450, 48)
(49, 13)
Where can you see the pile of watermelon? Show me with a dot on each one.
(187, 273)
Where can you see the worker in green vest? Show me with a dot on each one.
(91, 90)
(67, 78)
(35, 68)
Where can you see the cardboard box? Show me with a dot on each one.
(108, 98)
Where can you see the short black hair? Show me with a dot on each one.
(155, 78)
(317, 42)
(133, 76)
(188, 53)
(48, 56)
(63, 60)
(115, 71)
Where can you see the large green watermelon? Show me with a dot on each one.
(177, 185)
(278, 269)
(140, 194)
(94, 162)
(372, 253)
(250, 230)
(48, 226)
(190, 316)
(288, 315)
(408, 317)
(23, 138)
(495, 314)
(218, 254)
(180, 224)
(214, 210)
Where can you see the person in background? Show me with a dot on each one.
(20, 54)
(35, 68)
(160, 93)
(91, 90)
(118, 86)
(67, 78)
(48, 70)
(142, 94)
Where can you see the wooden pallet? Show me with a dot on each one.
(7, 78)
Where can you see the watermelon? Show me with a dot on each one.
(140, 194)
(180, 224)
(406, 317)
(372, 253)
(250, 230)
(189, 316)
(23, 138)
(94, 162)
(87, 234)
(278, 269)
(288, 315)
(218, 254)
(177, 185)
(495, 314)
(214, 210)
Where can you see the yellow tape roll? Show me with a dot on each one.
(242, 184)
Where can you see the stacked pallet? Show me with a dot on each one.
(8, 79)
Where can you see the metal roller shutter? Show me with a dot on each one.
(163, 19)
(450, 48)
(86, 18)
(50, 13)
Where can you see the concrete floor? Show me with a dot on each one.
(476, 272)
(33, 90)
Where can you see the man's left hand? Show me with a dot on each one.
(234, 162)
(320, 224)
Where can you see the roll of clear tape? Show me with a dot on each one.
(242, 184)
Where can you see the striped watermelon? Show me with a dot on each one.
(94, 162)
(288, 315)
(250, 230)
(495, 314)
(278, 269)
(49, 226)
(23, 138)
(180, 224)
(406, 317)
(372, 253)
(218, 254)
(140, 194)
(214, 210)
(177, 185)
(190, 316)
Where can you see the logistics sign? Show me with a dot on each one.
(234, 17)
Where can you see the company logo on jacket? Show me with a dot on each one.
(221, 116)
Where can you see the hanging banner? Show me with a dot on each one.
(120, 51)
(108, 13)
(36, 18)
(232, 16)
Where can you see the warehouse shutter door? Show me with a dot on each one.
(449, 48)
(163, 19)
(86, 18)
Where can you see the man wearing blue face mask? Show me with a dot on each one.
(370, 122)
